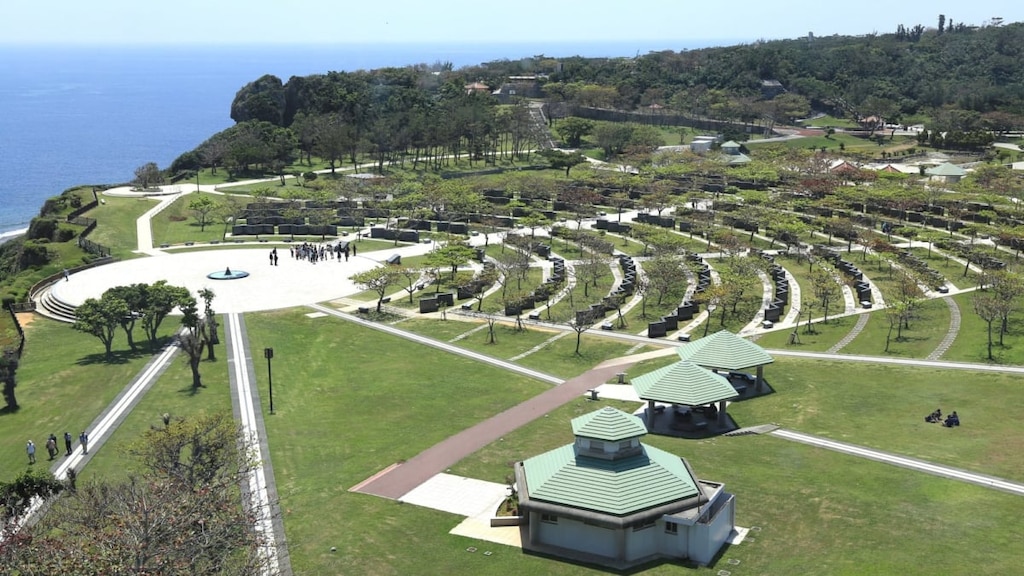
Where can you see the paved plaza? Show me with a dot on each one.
(291, 283)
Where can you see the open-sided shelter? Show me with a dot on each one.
(726, 351)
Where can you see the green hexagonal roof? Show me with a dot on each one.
(683, 383)
(618, 487)
(945, 169)
(726, 351)
(608, 424)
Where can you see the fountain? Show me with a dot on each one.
(227, 274)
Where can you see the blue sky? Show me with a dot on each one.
(355, 21)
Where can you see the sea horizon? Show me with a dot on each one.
(89, 114)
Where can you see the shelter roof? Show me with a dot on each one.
(619, 487)
(945, 169)
(608, 424)
(683, 383)
(726, 351)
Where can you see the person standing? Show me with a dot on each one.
(67, 442)
(66, 274)
(83, 439)
(51, 446)
(345, 252)
(275, 256)
(353, 250)
(30, 448)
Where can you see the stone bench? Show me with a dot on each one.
(394, 259)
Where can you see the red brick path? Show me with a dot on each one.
(397, 481)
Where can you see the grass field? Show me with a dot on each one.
(64, 382)
(117, 224)
(350, 402)
(927, 329)
(171, 394)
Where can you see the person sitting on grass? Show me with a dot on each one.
(952, 420)
(934, 416)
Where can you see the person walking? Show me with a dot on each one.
(30, 448)
(83, 439)
(66, 275)
(51, 446)
(67, 442)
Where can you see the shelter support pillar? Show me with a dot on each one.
(722, 405)
(650, 415)
(760, 379)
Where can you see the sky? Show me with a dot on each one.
(471, 21)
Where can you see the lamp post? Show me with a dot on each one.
(268, 353)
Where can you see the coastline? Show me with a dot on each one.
(4, 237)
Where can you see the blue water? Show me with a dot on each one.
(72, 115)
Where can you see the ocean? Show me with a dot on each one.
(74, 115)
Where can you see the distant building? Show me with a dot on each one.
(946, 172)
(771, 88)
(477, 88)
(612, 500)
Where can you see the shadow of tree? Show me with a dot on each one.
(124, 356)
(9, 410)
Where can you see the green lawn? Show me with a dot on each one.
(171, 394)
(823, 512)
(951, 269)
(821, 338)
(64, 382)
(117, 224)
(350, 402)
(971, 344)
(927, 329)
(176, 224)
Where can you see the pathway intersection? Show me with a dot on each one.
(402, 479)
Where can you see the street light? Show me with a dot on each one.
(268, 353)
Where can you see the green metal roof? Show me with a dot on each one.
(618, 487)
(683, 383)
(726, 351)
(945, 169)
(730, 144)
(608, 424)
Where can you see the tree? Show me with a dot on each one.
(558, 159)
(183, 514)
(135, 297)
(664, 273)
(193, 338)
(409, 277)
(161, 299)
(825, 288)
(378, 279)
(573, 129)
(8, 369)
(203, 208)
(147, 174)
(210, 317)
(580, 321)
(101, 318)
(987, 307)
(451, 255)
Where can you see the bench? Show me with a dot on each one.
(534, 316)
(364, 309)
(468, 306)
(394, 259)
(607, 326)
(385, 300)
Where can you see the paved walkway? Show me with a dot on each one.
(396, 481)
(904, 461)
(104, 425)
(261, 489)
(954, 329)
(862, 321)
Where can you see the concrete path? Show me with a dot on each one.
(440, 345)
(862, 321)
(103, 426)
(904, 461)
(900, 361)
(951, 334)
(261, 490)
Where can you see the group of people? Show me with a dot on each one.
(936, 418)
(313, 254)
(53, 450)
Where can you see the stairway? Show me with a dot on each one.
(541, 132)
(762, 429)
(54, 308)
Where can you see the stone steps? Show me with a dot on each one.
(52, 307)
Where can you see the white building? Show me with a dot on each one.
(609, 499)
